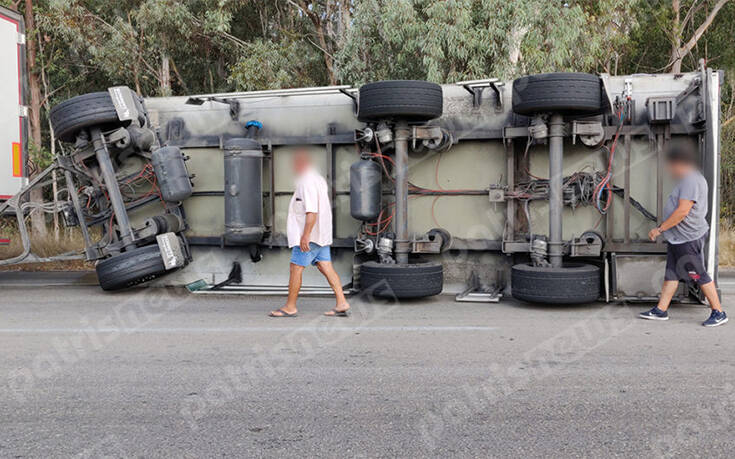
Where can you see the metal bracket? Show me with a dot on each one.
(432, 137)
(589, 244)
(476, 87)
(496, 195)
(233, 103)
(515, 247)
(693, 86)
(591, 133)
(628, 92)
(364, 246)
(476, 293)
(426, 133)
(425, 246)
(436, 240)
(364, 135)
(352, 96)
(476, 95)
(497, 87)
(661, 109)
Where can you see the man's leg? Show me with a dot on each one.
(671, 277)
(667, 294)
(710, 292)
(326, 268)
(694, 265)
(668, 290)
(294, 285)
(718, 316)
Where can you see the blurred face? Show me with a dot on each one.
(301, 162)
(679, 169)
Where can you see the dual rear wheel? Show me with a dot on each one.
(571, 94)
(406, 101)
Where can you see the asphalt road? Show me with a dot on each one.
(164, 373)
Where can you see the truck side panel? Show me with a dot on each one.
(13, 145)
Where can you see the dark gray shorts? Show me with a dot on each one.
(685, 262)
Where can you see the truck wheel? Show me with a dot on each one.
(131, 268)
(565, 93)
(413, 280)
(81, 112)
(402, 99)
(572, 284)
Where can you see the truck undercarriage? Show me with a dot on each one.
(549, 185)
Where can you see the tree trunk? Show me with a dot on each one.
(517, 34)
(328, 62)
(320, 28)
(680, 51)
(676, 43)
(165, 75)
(38, 220)
(322, 37)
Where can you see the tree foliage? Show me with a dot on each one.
(466, 39)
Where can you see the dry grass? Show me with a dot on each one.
(727, 247)
(68, 241)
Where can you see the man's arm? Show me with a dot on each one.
(308, 226)
(678, 216)
(310, 196)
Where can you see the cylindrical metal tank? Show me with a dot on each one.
(365, 190)
(172, 174)
(243, 191)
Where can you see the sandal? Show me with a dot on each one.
(283, 313)
(337, 313)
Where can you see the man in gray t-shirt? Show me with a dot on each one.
(685, 229)
(693, 187)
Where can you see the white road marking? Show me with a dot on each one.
(458, 328)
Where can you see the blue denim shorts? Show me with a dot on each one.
(316, 254)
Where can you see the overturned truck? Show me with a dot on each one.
(543, 188)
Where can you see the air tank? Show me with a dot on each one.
(243, 190)
(365, 190)
(171, 174)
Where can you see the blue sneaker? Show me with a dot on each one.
(654, 314)
(715, 319)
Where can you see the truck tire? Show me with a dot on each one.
(81, 112)
(574, 283)
(131, 268)
(564, 93)
(407, 100)
(413, 280)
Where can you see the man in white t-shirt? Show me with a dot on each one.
(309, 229)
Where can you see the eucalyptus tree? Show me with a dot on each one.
(157, 46)
(463, 39)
